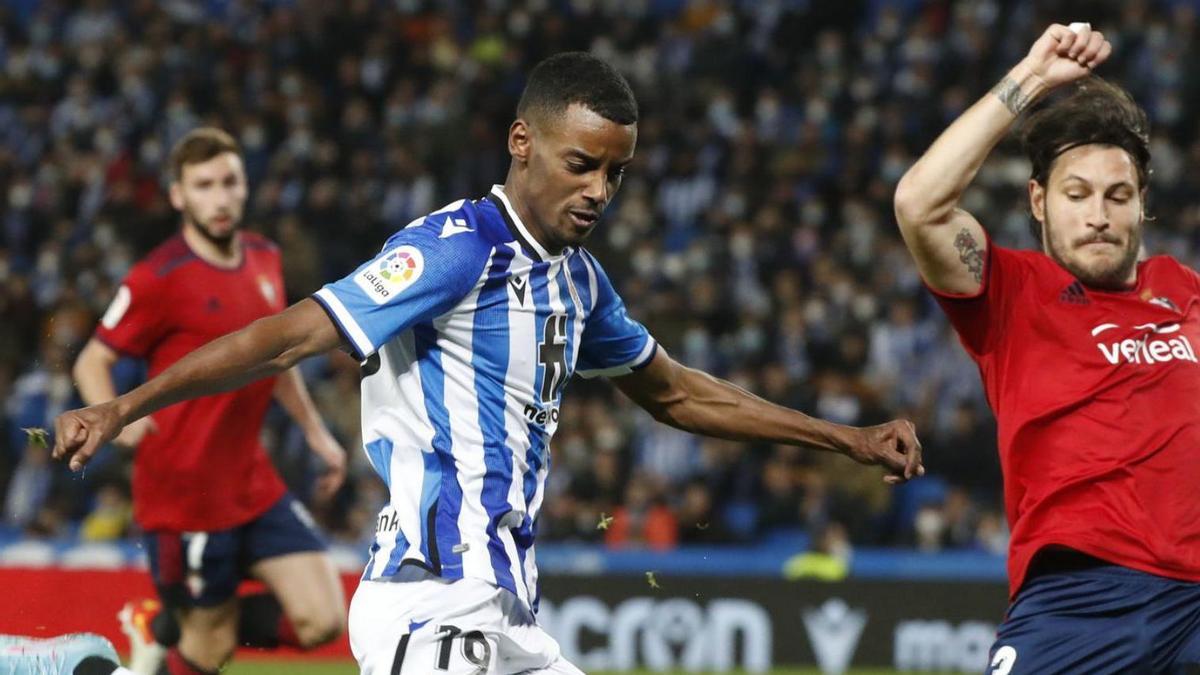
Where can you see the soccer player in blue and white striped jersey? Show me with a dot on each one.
(468, 323)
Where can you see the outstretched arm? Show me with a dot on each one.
(947, 242)
(292, 394)
(266, 347)
(697, 402)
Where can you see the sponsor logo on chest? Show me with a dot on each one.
(1150, 344)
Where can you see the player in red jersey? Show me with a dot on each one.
(1088, 358)
(204, 490)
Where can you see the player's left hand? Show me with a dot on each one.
(892, 445)
(331, 452)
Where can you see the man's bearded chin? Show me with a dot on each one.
(1109, 276)
(205, 231)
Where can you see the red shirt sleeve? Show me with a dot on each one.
(136, 320)
(980, 319)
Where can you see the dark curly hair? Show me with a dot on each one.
(1093, 111)
(577, 77)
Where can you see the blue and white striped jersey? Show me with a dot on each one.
(469, 329)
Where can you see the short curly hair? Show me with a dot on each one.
(577, 77)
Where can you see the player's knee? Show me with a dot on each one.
(318, 628)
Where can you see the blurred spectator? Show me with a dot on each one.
(29, 489)
(111, 517)
(781, 495)
(642, 521)
(992, 533)
(698, 522)
(829, 559)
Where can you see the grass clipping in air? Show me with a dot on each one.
(37, 437)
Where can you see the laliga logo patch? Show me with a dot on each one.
(393, 273)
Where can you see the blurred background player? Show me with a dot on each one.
(214, 509)
(1088, 359)
(469, 323)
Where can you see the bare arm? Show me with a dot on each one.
(292, 394)
(93, 378)
(697, 402)
(266, 347)
(948, 243)
(93, 372)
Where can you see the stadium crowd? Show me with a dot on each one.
(753, 235)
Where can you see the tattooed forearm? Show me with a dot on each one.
(1010, 94)
(969, 253)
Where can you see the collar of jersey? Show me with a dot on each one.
(521, 231)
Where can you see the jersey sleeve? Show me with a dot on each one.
(980, 318)
(136, 320)
(416, 277)
(613, 343)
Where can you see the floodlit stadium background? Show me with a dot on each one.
(753, 235)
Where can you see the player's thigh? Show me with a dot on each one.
(283, 548)
(1175, 615)
(308, 590)
(422, 627)
(1072, 624)
(194, 569)
(1045, 647)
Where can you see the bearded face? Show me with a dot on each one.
(1091, 215)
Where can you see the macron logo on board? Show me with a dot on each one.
(834, 630)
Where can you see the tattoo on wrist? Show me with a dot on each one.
(969, 253)
(1010, 94)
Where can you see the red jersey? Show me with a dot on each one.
(205, 468)
(1097, 400)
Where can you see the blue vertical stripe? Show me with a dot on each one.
(438, 545)
(368, 572)
(380, 454)
(564, 296)
(533, 530)
(396, 556)
(535, 454)
(538, 289)
(431, 483)
(489, 347)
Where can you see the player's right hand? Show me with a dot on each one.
(1062, 55)
(892, 445)
(78, 434)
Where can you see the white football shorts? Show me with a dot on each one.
(419, 624)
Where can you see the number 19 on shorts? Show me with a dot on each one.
(453, 652)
